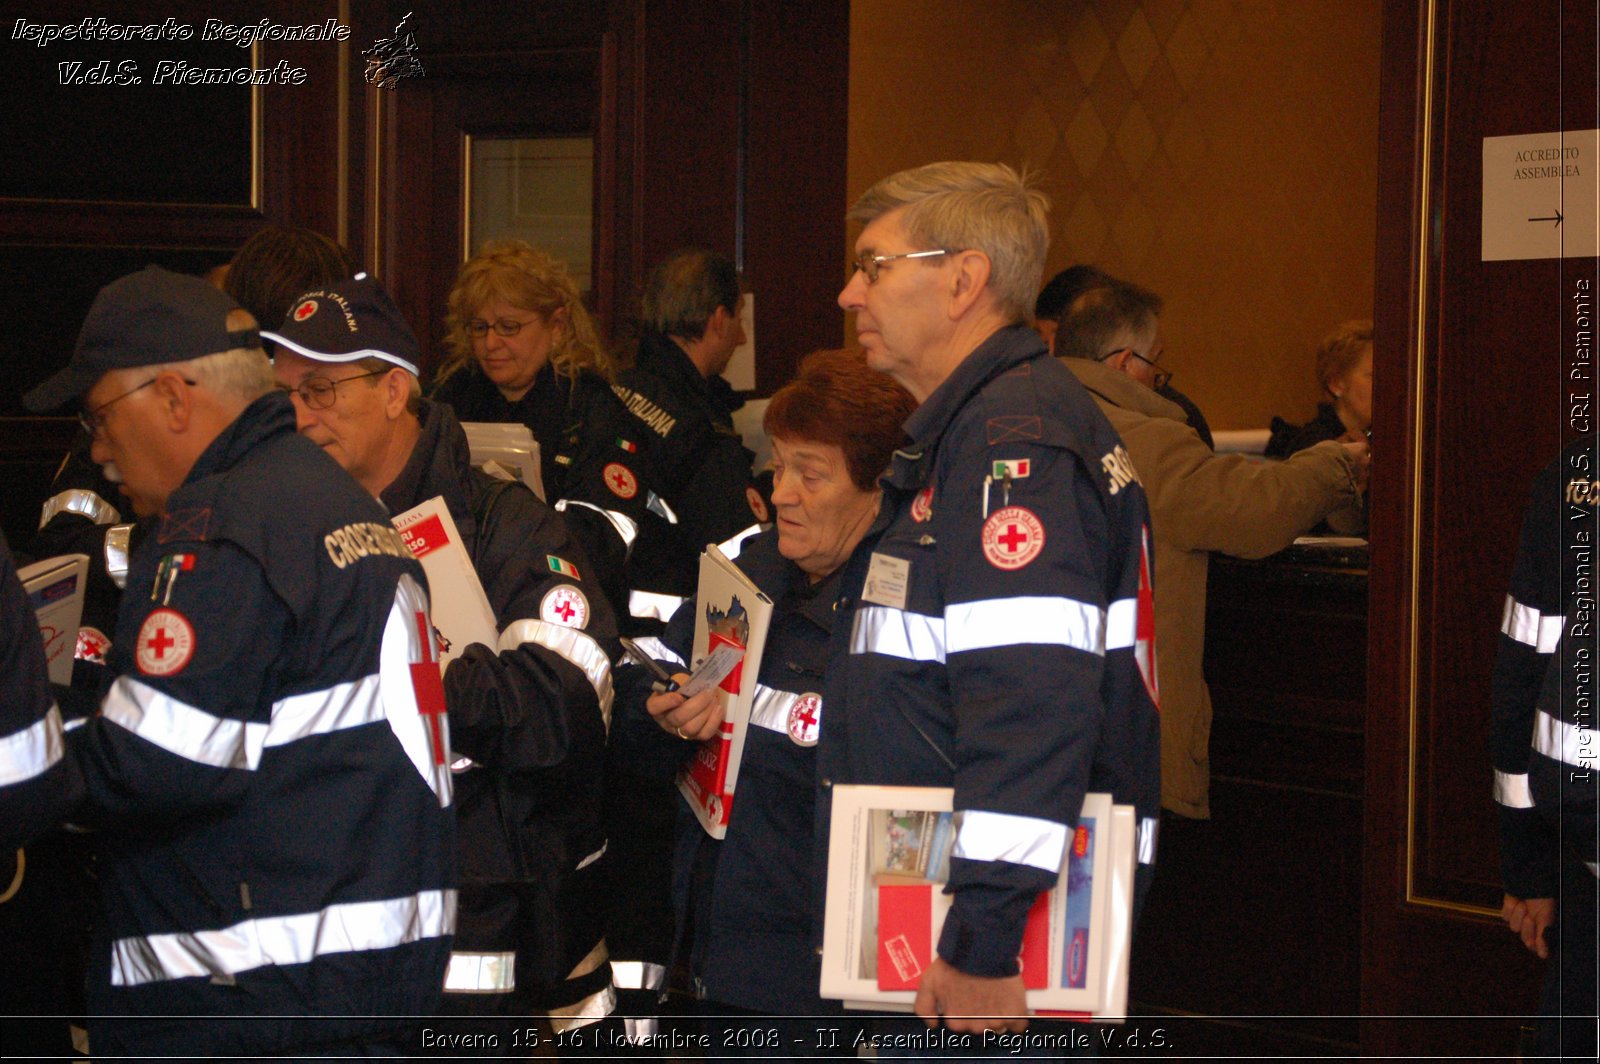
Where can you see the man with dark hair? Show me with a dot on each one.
(275, 825)
(528, 716)
(1074, 281)
(1199, 502)
(692, 456)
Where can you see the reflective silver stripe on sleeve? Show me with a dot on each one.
(649, 605)
(182, 729)
(657, 649)
(573, 644)
(1122, 624)
(1593, 867)
(1567, 743)
(731, 546)
(770, 708)
(592, 1009)
(627, 528)
(658, 506)
(1511, 790)
(898, 634)
(31, 752)
(1024, 619)
(596, 1006)
(344, 705)
(349, 927)
(641, 1029)
(79, 501)
(637, 975)
(481, 973)
(1530, 627)
(593, 857)
(1149, 831)
(117, 537)
(1023, 840)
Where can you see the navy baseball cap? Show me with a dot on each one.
(144, 319)
(349, 321)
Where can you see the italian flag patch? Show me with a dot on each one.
(627, 445)
(1015, 468)
(562, 566)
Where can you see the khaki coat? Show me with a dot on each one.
(1201, 502)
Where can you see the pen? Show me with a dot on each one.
(663, 679)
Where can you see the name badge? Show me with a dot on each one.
(887, 580)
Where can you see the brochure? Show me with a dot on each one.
(55, 588)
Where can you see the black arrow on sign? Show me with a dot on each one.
(1556, 219)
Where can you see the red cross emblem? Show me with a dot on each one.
(805, 718)
(428, 685)
(165, 643)
(922, 505)
(620, 479)
(1012, 537)
(566, 606)
(305, 309)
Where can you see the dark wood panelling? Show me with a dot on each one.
(1476, 347)
(799, 66)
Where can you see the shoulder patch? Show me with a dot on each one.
(1012, 537)
(165, 644)
(620, 479)
(184, 524)
(805, 719)
(562, 566)
(922, 505)
(1010, 428)
(565, 605)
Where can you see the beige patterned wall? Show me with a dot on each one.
(1221, 152)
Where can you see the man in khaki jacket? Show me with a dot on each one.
(1199, 502)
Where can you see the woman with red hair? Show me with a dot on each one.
(745, 903)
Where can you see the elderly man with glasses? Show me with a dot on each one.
(1200, 501)
(528, 716)
(994, 635)
(276, 837)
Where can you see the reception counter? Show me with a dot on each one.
(1254, 918)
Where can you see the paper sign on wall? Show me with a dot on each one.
(1539, 195)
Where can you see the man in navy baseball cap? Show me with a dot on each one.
(147, 318)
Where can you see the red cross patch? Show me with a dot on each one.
(1012, 537)
(620, 479)
(92, 645)
(805, 719)
(306, 308)
(922, 505)
(165, 643)
(566, 606)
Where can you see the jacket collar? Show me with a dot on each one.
(269, 416)
(664, 356)
(781, 580)
(1006, 349)
(1121, 390)
(440, 464)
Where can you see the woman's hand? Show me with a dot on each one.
(695, 719)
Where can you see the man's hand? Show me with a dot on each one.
(697, 718)
(1360, 460)
(971, 1003)
(1528, 918)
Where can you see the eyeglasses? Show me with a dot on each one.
(95, 420)
(871, 264)
(477, 328)
(1161, 377)
(318, 393)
